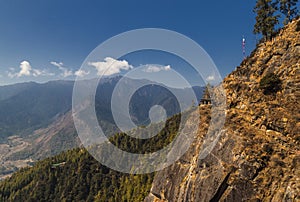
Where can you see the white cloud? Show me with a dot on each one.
(57, 64)
(27, 70)
(81, 73)
(65, 71)
(36, 72)
(210, 78)
(11, 75)
(110, 66)
(156, 68)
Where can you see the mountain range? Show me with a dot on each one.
(36, 119)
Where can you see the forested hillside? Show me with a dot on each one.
(76, 176)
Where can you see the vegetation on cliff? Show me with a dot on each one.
(257, 156)
(268, 14)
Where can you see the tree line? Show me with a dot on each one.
(269, 13)
(75, 175)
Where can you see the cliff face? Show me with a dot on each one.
(257, 156)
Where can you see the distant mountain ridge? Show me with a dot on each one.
(32, 105)
(28, 106)
(36, 119)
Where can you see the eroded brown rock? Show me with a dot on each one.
(257, 158)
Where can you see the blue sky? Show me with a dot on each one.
(53, 38)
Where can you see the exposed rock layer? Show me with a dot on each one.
(257, 157)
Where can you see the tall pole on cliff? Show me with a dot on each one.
(244, 47)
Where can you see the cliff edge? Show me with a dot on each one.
(257, 157)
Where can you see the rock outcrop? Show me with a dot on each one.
(257, 157)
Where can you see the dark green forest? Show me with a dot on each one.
(75, 175)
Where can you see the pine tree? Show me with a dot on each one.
(265, 18)
(288, 8)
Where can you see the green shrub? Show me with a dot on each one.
(270, 84)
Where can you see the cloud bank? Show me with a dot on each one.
(110, 66)
(27, 70)
(157, 68)
(81, 73)
(65, 71)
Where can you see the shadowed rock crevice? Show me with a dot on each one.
(222, 188)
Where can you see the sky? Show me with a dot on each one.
(49, 40)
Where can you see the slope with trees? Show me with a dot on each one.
(268, 14)
(75, 175)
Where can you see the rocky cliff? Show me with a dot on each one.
(257, 157)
